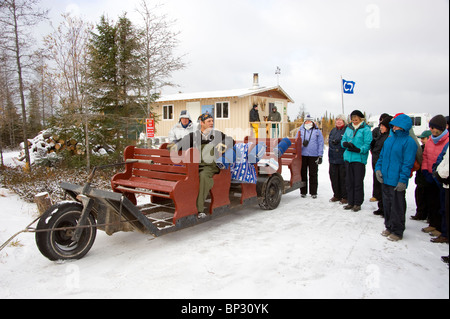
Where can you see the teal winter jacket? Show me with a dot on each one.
(398, 153)
(360, 138)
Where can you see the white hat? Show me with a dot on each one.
(184, 115)
(309, 118)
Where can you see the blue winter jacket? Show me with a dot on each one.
(398, 153)
(361, 138)
(315, 138)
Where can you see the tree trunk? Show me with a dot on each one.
(43, 202)
(21, 89)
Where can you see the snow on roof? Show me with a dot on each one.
(220, 94)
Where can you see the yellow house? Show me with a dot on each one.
(230, 108)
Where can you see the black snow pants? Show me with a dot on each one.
(355, 182)
(394, 209)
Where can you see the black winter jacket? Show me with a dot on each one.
(254, 116)
(335, 150)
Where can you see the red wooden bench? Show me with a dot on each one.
(220, 192)
(169, 176)
(292, 158)
(221, 188)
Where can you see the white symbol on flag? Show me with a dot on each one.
(348, 86)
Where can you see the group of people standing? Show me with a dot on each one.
(396, 155)
(432, 180)
(348, 151)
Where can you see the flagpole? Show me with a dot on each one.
(342, 94)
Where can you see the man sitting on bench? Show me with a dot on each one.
(212, 144)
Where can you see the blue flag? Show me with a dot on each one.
(348, 86)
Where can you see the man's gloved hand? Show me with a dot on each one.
(319, 160)
(221, 148)
(400, 187)
(379, 176)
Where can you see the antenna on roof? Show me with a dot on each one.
(278, 72)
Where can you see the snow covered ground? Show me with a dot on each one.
(307, 248)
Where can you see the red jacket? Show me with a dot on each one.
(432, 151)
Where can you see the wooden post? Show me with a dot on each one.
(43, 202)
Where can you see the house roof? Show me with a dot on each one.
(221, 94)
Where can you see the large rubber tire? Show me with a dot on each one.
(57, 244)
(270, 192)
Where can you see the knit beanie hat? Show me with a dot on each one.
(386, 120)
(205, 116)
(382, 116)
(439, 122)
(357, 113)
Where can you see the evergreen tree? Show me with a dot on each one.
(130, 68)
(115, 73)
(103, 73)
(131, 74)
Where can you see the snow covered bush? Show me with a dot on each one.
(47, 179)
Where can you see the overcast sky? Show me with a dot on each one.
(397, 51)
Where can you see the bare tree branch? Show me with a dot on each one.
(17, 17)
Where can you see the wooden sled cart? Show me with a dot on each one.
(67, 230)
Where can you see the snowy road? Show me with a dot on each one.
(307, 248)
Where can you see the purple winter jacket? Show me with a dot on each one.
(315, 138)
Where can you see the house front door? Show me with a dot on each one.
(194, 110)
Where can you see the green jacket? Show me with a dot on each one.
(274, 116)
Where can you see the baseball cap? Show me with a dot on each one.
(424, 134)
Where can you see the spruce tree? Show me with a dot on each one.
(103, 73)
(115, 72)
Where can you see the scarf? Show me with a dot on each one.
(357, 126)
(185, 126)
(437, 138)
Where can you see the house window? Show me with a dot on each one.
(222, 110)
(167, 112)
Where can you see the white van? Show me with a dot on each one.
(420, 121)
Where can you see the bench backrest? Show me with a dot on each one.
(166, 166)
(271, 143)
(294, 150)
